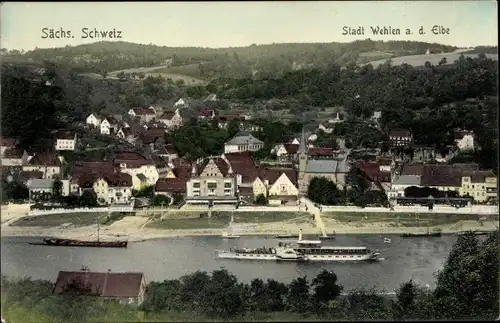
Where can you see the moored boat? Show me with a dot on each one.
(80, 243)
(226, 235)
(428, 234)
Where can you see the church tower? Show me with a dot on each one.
(302, 156)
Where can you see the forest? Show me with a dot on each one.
(268, 60)
(465, 289)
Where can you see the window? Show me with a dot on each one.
(196, 185)
(212, 186)
(283, 188)
(228, 185)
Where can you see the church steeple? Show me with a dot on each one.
(302, 144)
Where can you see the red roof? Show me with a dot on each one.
(118, 179)
(243, 164)
(167, 115)
(171, 185)
(45, 159)
(403, 133)
(206, 113)
(272, 174)
(228, 118)
(222, 165)
(182, 168)
(13, 153)
(26, 175)
(151, 135)
(65, 134)
(291, 148)
(7, 142)
(143, 111)
(317, 151)
(102, 284)
(372, 172)
(132, 159)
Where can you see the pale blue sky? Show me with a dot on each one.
(226, 24)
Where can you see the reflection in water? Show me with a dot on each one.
(416, 258)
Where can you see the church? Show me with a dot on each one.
(308, 168)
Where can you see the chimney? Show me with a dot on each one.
(300, 234)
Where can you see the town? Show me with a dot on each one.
(237, 175)
(230, 169)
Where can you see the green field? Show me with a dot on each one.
(77, 219)
(404, 219)
(267, 217)
(190, 74)
(219, 219)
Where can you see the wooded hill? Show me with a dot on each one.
(256, 60)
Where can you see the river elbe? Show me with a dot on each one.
(169, 258)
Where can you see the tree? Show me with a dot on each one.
(223, 295)
(57, 186)
(325, 287)
(14, 191)
(88, 199)
(147, 191)
(467, 287)
(298, 297)
(261, 199)
(323, 191)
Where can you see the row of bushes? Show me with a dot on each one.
(466, 288)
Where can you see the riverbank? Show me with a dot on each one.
(134, 229)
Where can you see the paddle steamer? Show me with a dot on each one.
(302, 250)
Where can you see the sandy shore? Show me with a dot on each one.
(136, 230)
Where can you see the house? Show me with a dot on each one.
(84, 174)
(65, 140)
(205, 114)
(171, 186)
(287, 152)
(166, 151)
(225, 120)
(40, 188)
(144, 114)
(376, 116)
(161, 165)
(212, 182)
(171, 119)
(243, 141)
(153, 137)
(127, 288)
(325, 129)
(46, 162)
(401, 182)
(127, 135)
(423, 154)
(385, 164)
(245, 170)
(480, 185)
(93, 120)
(142, 169)
(180, 103)
(15, 157)
(400, 137)
(464, 140)
(333, 169)
(211, 98)
(279, 185)
(109, 125)
(434, 51)
(7, 143)
(113, 188)
(381, 180)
